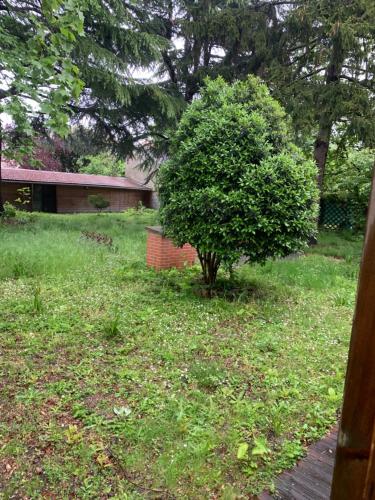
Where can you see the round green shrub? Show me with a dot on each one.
(98, 201)
(234, 184)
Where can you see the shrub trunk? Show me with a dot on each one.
(210, 263)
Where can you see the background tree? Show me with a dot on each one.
(213, 37)
(116, 109)
(36, 71)
(119, 108)
(62, 154)
(316, 56)
(234, 184)
(207, 38)
(101, 164)
(324, 73)
(192, 30)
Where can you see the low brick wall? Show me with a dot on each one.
(163, 254)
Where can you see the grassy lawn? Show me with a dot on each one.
(117, 381)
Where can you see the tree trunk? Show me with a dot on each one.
(321, 148)
(210, 264)
(326, 120)
(165, 54)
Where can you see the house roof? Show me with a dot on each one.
(49, 177)
(8, 163)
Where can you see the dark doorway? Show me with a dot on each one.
(44, 198)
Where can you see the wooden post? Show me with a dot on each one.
(354, 473)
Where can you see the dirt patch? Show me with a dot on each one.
(8, 466)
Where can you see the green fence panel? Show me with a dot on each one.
(335, 214)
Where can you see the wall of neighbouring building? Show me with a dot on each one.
(74, 198)
(10, 194)
(70, 199)
(132, 171)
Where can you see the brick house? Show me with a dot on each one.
(63, 192)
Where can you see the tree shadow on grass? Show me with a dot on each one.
(238, 289)
(188, 282)
(231, 289)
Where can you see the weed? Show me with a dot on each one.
(19, 270)
(208, 374)
(111, 326)
(37, 300)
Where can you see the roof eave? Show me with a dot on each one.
(135, 188)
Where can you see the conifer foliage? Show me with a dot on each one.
(120, 42)
(317, 56)
(325, 72)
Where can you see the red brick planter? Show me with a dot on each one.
(163, 254)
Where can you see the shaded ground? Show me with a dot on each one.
(120, 382)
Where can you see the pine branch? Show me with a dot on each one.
(307, 75)
(7, 93)
(369, 85)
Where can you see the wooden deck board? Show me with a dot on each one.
(311, 478)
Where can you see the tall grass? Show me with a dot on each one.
(150, 374)
(341, 245)
(52, 244)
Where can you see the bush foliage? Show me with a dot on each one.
(14, 216)
(98, 201)
(234, 184)
(349, 180)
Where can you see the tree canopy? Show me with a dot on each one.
(317, 56)
(119, 107)
(101, 164)
(325, 75)
(36, 71)
(234, 184)
(143, 62)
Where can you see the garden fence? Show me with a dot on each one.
(336, 214)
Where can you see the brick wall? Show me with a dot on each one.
(163, 254)
(70, 199)
(75, 198)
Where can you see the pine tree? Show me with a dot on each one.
(207, 38)
(317, 57)
(119, 108)
(204, 39)
(325, 72)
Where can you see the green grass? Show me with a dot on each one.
(117, 381)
